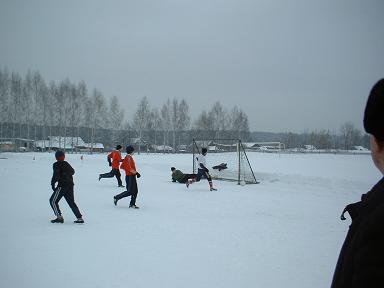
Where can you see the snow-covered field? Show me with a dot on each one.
(284, 232)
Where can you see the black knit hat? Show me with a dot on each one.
(173, 168)
(204, 150)
(118, 147)
(59, 155)
(129, 149)
(374, 111)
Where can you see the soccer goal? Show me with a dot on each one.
(226, 160)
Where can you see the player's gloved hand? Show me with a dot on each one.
(138, 175)
(110, 164)
(53, 187)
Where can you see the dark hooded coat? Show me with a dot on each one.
(361, 259)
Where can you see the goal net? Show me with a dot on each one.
(226, 160)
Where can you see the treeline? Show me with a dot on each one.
(31, 108)
(347, 137)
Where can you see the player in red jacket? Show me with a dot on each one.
(114, 159)
(131, 173)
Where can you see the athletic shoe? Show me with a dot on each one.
(79, 220)
(59, 219)
(115, 200)
(133, 206)
(212, 189)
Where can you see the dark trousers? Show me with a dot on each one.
(67, 192)
(131, 189)
(202, 174)
(187, 176)
(113, 172)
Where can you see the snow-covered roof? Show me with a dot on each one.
(162, 148)
(94, 145)
(249, 144)
(360, 148)
(137, 141)
(309, 147)
(64, 143)
(212, 148)
(53, 144)
(76, 141)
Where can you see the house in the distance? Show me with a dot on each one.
(162, 149)
(94, 147)
(75, 144)
(16, 144)
(360, 148)
(139, 144)
(7, 146)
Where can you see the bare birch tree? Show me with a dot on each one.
(203, 125)
(51, 115)
(180, 119)
(174, 120)
(81, 101)
(99, 115)
(4, 99)
(27, 102)
(38, 86)
(142, 118)
(116, 116)
(16, 94)
(239, 123)
(166, 121)
(218, 117)
(184, 118)
(155, 123)
(350, 135)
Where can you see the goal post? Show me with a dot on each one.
(226, 160)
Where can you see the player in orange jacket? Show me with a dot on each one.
(114, 159)
(131, 173)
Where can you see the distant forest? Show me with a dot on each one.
(31, 108)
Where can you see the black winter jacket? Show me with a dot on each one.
(62, 173)
(361, 259)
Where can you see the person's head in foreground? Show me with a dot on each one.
(361, 259)
(374, 123)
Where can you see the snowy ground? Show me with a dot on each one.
(284, 232)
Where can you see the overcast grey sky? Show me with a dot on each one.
(291, 65)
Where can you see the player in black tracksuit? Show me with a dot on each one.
(62, 174)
